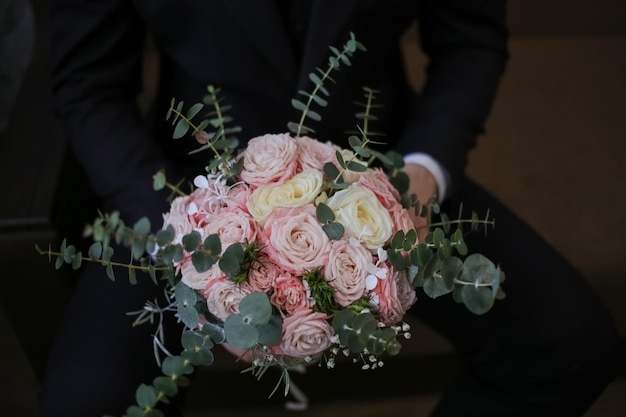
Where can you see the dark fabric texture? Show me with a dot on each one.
(532, 355)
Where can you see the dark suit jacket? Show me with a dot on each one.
(243, 47)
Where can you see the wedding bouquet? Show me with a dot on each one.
(290, 250)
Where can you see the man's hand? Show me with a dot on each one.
(423, 184)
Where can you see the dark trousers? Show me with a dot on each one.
(548, 349)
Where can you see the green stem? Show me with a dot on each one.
(100, 261)
(316, 89)
(175, 189)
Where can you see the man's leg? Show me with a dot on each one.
(548, 349)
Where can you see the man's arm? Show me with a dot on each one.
(466, 43)
(97, 56)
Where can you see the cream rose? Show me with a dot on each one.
(294, 239)
(269, 159)
(347, 269)
(299, 191)
(363, 216)
(306, 333)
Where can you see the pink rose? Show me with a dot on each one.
(295, 240)
(238, 196)
(346, 270)
(202, 205)
(233, 226)
(378, 181)
(313, 154)
(392, 296)
(290, 293)
(262, 274)
(223, 296)
(406, 292)
(401, 219)
(178, 218)
(306, 333)
(269, 159)
(198, 280)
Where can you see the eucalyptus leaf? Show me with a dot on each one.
(334, 230)
(109, 271)
(330, 170)
(142, 226)
(188, 315)
(197, 358)
(77, 260)
(191, 241)
(212, 244)
(270, 332)
(175, 366)
(313, 115)
(231, 261)
(132, 276)
(191, 340)
(356, 166)
(145, 396)
(239, 334)
(256, 308)
(165, 385)
(397, 260)
(193, 110)
(324, 213)
(159, 180)
(181, 129)
(478, 300)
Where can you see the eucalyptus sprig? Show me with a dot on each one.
(319, 78)
(437, 267)
(220, 141)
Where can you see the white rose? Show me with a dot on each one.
(299, 191)
(362, 215)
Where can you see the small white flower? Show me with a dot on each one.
(192, 209)
(382, 254)
(370, 282)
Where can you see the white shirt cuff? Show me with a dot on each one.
(435, 168)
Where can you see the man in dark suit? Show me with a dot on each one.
(548, 349)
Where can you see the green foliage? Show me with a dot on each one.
(220, 140)
(254, 324)
(359, 331)
(321, 291)
(436, 266)
(334, 230)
